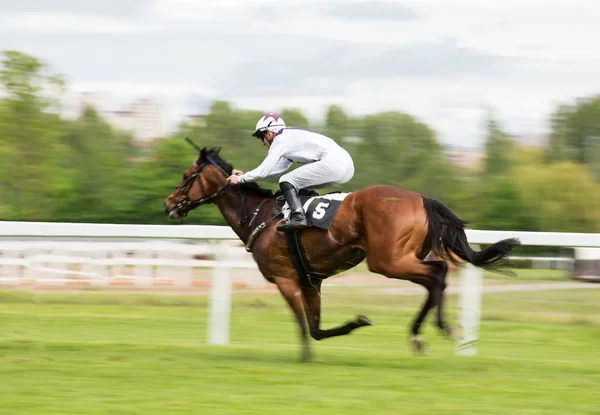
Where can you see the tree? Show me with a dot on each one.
(502, 207)
(29, 136)
(397, 149)
(294, 118)
(497, 148)
(220, 122)
(29, 81)
(336, 123)
(94, 167)
(560, 197)
(576, 134)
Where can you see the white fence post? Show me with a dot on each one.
(469, 309)
(220, 298)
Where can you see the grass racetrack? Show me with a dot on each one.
(111, 353)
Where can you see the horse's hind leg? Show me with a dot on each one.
(440, 270)
(429, 274)
(436, 289)
(312, 306)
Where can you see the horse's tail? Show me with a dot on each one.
(446, 236)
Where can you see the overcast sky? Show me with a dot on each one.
(443, 61)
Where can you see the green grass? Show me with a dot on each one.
(101, 353)
(529, 275)
(521, 274)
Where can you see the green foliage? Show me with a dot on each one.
(294, 118)
(94, 165)
(84, 170)
(560, 197)
(337, 123)
(576, 135)
(397, 149)
(575, 129)
(497, 150)
(29, 138)
(28, 82)
(501, 208)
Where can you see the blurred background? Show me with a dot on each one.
(492, 108)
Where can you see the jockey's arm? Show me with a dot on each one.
(272, 165)
(282, 165)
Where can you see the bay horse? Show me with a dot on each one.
(393, 228)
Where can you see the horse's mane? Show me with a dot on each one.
(213, 153)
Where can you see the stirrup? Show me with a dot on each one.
(292, 224)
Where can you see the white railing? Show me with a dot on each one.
(87, 263)
(226, 258)
(104, 259)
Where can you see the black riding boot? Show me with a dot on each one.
(296, 220)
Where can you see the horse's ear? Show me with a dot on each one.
(203, 152)
(218, 150)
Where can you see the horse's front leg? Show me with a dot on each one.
(290, 290)
(312, 304)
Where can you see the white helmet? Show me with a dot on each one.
(268, 122)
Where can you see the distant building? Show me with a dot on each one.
(123, 120)
(530, 140)
(465, 159)
(90, 100)
(144, 118)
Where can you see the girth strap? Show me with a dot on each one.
(296, 251)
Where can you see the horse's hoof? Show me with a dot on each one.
(452, 333)
(364, 321)
(306, 356)
(418, 345)
(307, 359)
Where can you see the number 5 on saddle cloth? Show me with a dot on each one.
(319, 210)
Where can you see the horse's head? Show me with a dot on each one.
(201, 183)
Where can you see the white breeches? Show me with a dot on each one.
(332, 169)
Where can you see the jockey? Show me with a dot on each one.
(325, 163)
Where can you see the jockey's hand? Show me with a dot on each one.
(237, 172)
(233, 179)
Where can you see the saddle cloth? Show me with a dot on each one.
(319, 210)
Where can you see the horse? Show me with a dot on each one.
(392, 228)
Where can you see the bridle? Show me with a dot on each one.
(185, 204)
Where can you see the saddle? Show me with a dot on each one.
(304, 195)
(320, 211)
